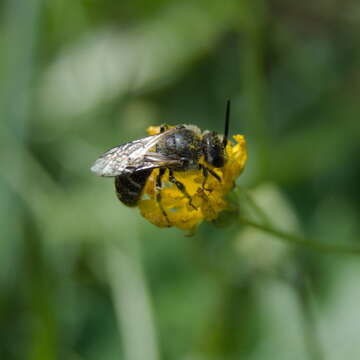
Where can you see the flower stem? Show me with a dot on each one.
(300, 241)
(132, 301)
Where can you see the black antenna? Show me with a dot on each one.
(227, 122)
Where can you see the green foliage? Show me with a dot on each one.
(83, 277)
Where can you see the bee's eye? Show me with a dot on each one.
(213, 150)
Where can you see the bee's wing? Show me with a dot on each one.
(129, 157)
(155, 160)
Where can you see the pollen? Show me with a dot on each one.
(208, 195)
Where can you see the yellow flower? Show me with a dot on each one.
(207, 202)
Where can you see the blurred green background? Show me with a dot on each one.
(84, 277)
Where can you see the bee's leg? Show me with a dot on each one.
(158, 193)
(214, 174)
(205, 175)
(181, 187)
(206, 172)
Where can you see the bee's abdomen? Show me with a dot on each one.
(129, 187)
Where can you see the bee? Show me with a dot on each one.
(175, 149)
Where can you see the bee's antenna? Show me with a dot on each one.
(227, 122)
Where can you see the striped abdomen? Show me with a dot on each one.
(129, 187)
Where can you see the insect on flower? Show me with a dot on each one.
(185, 173)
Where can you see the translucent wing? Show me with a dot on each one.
(132, 156)
(155, 160)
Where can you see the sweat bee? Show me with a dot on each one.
(175, 149)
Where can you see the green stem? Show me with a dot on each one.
(132, 301)
(306, 303)
(239, 191)
(300, 241)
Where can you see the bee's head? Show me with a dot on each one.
(214, 145)
(213, 149)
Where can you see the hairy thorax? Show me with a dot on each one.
(185, 144)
